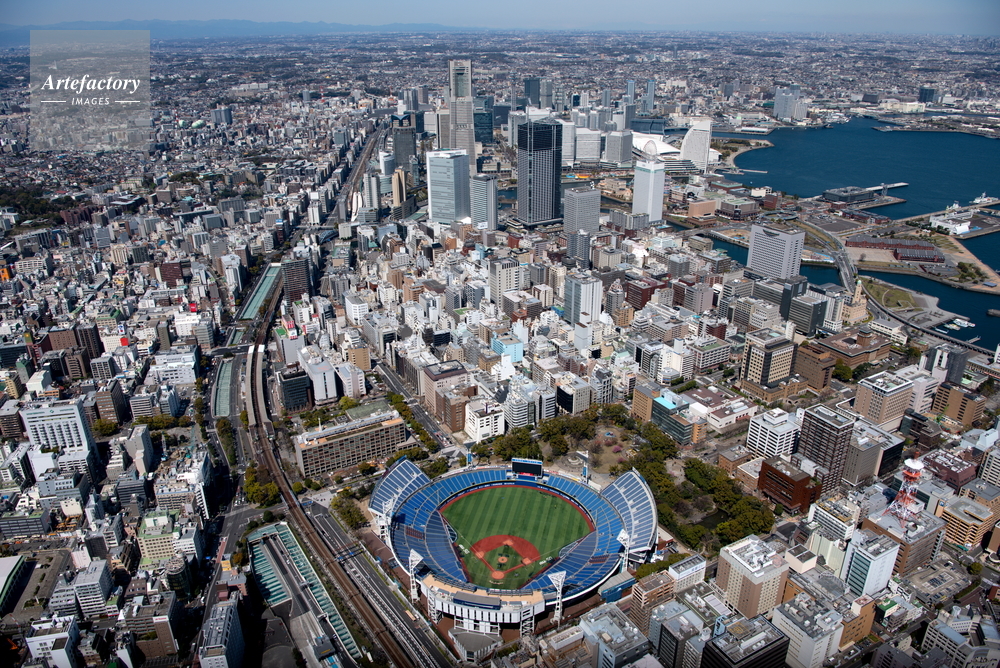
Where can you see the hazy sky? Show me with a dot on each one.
(981, 17)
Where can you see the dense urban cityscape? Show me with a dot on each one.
(430, 348)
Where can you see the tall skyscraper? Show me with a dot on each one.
(578, 248)
(582, 210)
(650, 99)
(630, 90)
(448, 186)
(826, 439)
(789, 105)
(618, 148)
(506, 274)
(462, 106)
(775, 252)
(767, 359)
(404, 144)
(869, 562)
(696, 144)
(533, 90)
(946, 362)
(752, 576)
(296, 276)
(485, 208)
(584, 294)
(647, 189)
(398, 187)
(539, 165)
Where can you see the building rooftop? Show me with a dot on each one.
(754, 554)
(968, 511)
(913, 531)
(814, 618)
(746, 637)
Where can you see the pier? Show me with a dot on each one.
(886, 186)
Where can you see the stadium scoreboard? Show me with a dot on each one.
(526, 467)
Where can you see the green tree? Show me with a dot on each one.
(437, 467)
(559, 446)
(975, 568)
(860, 371)
(298, 487)
(105, 428)
(268, 517)
(347, 403)
(842, 372)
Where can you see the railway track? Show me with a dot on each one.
(261, 434)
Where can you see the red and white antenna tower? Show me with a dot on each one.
(905, 507)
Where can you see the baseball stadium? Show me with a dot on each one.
(496, 546)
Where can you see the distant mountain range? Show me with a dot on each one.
(11, 35)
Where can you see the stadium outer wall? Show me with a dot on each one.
(483, 610)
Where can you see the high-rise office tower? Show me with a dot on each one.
(647, 189)
(582, 210)
(386, 163)
(448, 186)
(927, 95)
(539, 165)
(578, 248)
(946, 362)
(826, 439)
(752, 576)
(606, 97)
(618, 148)
(460, 79)
(696, 144)
(506, 274)
(59, 425)
(89, 337)
(775, 252)
(442, 129)
(533, 90)
(883, 397)
(398, 187)
(869, 562)
(404, 144)
(545, 94)
(630, 90)
(773, 433)
(614, 297)
(485, 208)
(650, 99)
(767, 358)
(371, 188)
(789, 105)
(296, 276)
(583, 298)
(462, 106)
(628, 113)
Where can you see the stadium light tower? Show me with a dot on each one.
(558, 579)
(415, 560)
(624, 539)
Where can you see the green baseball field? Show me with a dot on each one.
(507, 535)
